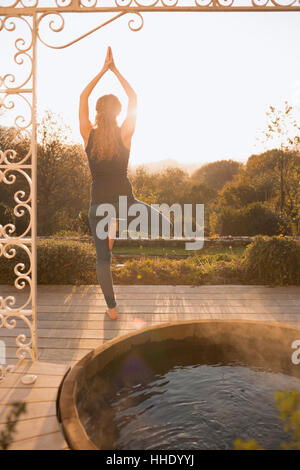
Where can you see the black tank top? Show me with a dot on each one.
(109, 176)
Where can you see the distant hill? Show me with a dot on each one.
(160, 165)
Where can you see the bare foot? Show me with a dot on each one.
(112, 312)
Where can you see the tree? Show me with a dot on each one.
(63, 177)
(215, 175)
(144, 185)
(173, 186)
(282, 133)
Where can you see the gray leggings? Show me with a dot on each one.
(103, 252)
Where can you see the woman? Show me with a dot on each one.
(108, 146)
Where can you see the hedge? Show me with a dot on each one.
(267, 260)
(272, 260)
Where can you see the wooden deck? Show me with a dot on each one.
(72, 322)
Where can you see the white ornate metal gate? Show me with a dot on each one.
(32, 14)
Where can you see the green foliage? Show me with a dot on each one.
(72, 262)
(282, 127)
(66, 262)
(216, 174)
(168, 186)
(251, 220)
(66, 233)
(288, 405)
(6, 436)
(58, 262)
(195, 270)
(267, 260)
(225, 186)
(83, 222)
(240, 444)
(276, 173)
(239, 194)
(273, 260)
(158, 271)
(63, 178)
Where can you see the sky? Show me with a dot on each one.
(204, 81)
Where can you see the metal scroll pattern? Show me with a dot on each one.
(114, 5)
(17, 97)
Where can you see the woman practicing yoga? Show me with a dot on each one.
(107, 147)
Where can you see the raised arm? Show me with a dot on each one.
(84, 121)
(128, 126)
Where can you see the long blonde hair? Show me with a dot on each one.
(106, 139)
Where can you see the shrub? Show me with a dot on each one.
(158, 271)
(254, 219)
(66, 233)
(66, 262)
(196, 270)
(59, 262)
(83, 222)
(274, 260)
(266, 260)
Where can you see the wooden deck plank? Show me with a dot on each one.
(34, 427)
(61, 356)
(41, 368)
(72, 322)
(153, 308)
(61, 298)
(229, 288)
(171, 305)
(60, 332)
(34, 410)
(101, 319)
(8, 395)
(51, 441)
(42, 381)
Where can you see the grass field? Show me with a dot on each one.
(177, 251)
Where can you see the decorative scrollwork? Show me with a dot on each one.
(56, 6)
(90, 3)
(131, 23)
(23, 46)
(22, 122)
(23, 202)
(17, 96)
(63, 3)
(22, 3)
(226, 3)
(22, 280)
(123, 3)
(9, 314)
(57, 24)
(259, 3)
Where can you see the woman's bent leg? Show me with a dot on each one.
(103, 261)
(152, 212)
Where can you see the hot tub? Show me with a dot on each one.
(181, 385)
